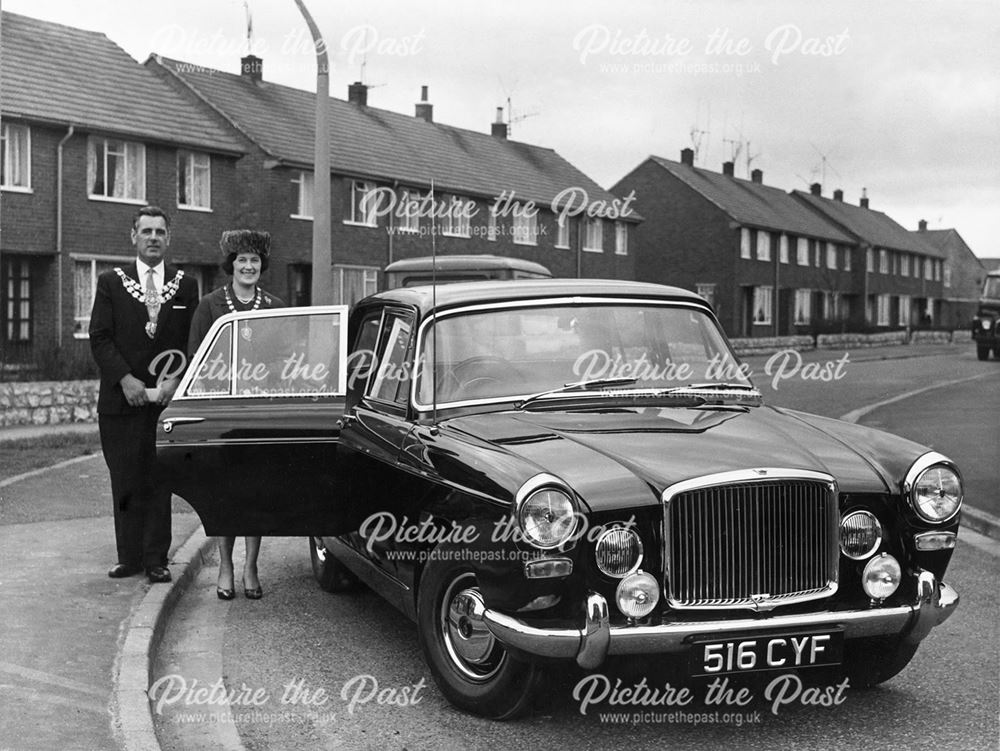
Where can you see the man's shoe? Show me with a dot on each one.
(121, 570)
(158, 574)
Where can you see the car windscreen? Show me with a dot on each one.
(518, 351)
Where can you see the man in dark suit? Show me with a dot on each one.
(138, 336)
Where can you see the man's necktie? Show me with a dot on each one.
(152, 304)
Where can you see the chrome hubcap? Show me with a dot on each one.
(471, 646)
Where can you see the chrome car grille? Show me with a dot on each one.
(757, 540)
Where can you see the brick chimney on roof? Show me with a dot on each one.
(728, 169)
(424, 109)
(838, 195)
(252, 67)
(498, 128)
(687, 157)
(357, 93)
(757, 176)
(816, 189)
(922, 225)
(864, 198)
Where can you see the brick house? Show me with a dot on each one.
(900, 275)
(383, 167)
(88, 136)
(768, 264)
(962, 278)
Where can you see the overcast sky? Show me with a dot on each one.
(900, 97)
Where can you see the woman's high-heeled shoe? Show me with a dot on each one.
(224, 594)
(253, 594)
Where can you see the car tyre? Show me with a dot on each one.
(869, 662)
(983, 352)
(473, 670)
(332, 575)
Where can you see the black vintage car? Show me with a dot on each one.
(565, 470)
(986, 324)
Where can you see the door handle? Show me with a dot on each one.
(168, 424)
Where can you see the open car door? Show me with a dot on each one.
(250, 438)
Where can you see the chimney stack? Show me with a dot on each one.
(838, 195)
(757, 176)
(728, 169)
(922, 225)
(252, 67)
(357, 93)
(816, 189)
(499, 128)
(864, 198)
(424, 109)
(687, 157)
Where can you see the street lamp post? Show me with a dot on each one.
(322, 252)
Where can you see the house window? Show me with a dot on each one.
(352, 283)
(802, 251)
(763, 245)
(832, 302)
(883, 261)
(928, 270)
(16, 299)
(905, 304)
(194, 180)
(85, 273)
(816, 249)
(744, 243)
(707, 291)
(362, 211)
(116, 169)
(455, 221)
(847, 259)
(621, 239)
(803, 306)
(870, 260)
(937, 271)
(831, 256)
(562, 231)
(303, 182)
(15, 157)
(491, 225)
(882, 303)
(947, 275)
(904, 264)
(783, 249)
(409, 211)
(299, 284)
(525, 228)
(762, 303)
(595, 235)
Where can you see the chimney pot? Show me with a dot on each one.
(838, 195)
(864, 198)
(816, 189)
(728, 169)
(357, 93)
(252, 67)
(499, 128)
(687, 157)
(424, 109)
(757, 176)
(922, 225)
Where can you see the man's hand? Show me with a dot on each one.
(167, 389)
(135, 390)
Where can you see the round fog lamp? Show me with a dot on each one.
(860, 534)
(881, 577)
(637, 595)
(618, 552)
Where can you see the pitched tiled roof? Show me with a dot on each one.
(58, 74)
(872, 227)
(370, 142)
(754, 204)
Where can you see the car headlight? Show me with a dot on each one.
(546, 512)
(933, 488)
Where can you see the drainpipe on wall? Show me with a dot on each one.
(59, 234)
(776, 302)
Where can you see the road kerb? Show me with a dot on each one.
(980, 521)
(131, 718)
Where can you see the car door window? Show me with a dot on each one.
(213, 377)
(391, 380)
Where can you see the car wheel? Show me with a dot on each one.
(473, 670)
(332, 575)
(868, 662)
(983, 353)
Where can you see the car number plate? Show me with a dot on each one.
(769, 652)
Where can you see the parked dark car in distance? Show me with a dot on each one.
(473, 267)
(986, 324)
(559, 470)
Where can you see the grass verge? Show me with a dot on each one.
(35, 453)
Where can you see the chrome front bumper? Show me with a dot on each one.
(597, 638)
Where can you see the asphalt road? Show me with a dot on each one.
(323, 662)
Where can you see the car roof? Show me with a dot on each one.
(426, 299)
(465, 261)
